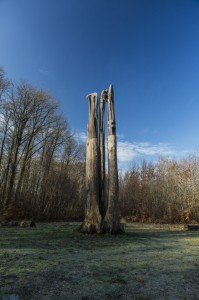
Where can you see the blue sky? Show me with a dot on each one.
(148, 49)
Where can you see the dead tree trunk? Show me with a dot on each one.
(102, 187)
(111, 222)
(92, 221)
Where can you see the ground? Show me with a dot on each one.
(54, 261)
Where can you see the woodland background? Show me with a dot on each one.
(42, 168)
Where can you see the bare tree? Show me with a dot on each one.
(92, 221)
(102, 187)
(111, 222)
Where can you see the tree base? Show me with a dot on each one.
(91, 225)
(112, 227)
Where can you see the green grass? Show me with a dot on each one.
(54, 261)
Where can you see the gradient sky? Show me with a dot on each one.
(148, 49)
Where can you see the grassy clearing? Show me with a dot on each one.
(54, 261)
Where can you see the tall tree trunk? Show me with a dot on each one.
(92, 221)
(102, 187)
(25, 162)
(11, 182)
(6, 177)
(111, 222)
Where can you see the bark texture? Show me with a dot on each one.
(102, 188)
(100, 216)
(111, 222)
(92, 221)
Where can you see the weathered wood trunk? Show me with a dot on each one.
(92, 221)
(102, 186)
(111, 222)
(97, 218)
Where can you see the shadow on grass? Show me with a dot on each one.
(66, 236)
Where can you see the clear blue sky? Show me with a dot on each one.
(148, 49)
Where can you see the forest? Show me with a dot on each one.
(42, 168)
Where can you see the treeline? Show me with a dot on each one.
(165, 192)
(42, 167)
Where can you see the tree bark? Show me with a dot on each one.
(92, 221)
(102, 188)
(111, 222)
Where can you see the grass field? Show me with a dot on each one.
(54, 261)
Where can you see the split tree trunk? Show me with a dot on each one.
(92, 221)
(111, 222)
(102, 186)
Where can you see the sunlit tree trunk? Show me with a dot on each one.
(111, 222)
(102, 187)
(92, 221)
